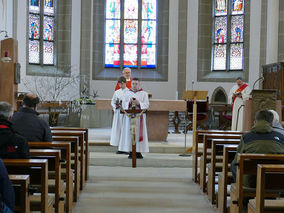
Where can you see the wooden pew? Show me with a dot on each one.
(224, 179)
(86, 139)
(215, 164)
(75, 164)
(196, 153)
(207, 140)
(269, 178)
(83, 147)
(65, 154)
(38, 171)
(54, 165)
(21, 184)
(247, 165)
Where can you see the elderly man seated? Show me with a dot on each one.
(12, 145)
(28, 123)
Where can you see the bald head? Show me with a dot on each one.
(127, 73)
(30, 100)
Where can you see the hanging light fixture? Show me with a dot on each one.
(6, 58)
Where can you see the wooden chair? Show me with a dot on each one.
(202, 113)
(54, 169)
(65, 154)
(215, 164)
(196, 152)
(247, 165)
(225, 177)
(269, 178)
(86, 139)
(37, 169)
(21, 189)
(83, 153)
(207, 140)
(75, 164)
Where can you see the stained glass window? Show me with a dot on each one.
(228, 40)
(135, 45)
(41, 32)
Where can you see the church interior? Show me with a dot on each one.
(149, 105)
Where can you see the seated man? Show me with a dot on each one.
(262, 139)
(277, 127)
(7, 196)
(12, 145)
(138, 98)
(27, 122)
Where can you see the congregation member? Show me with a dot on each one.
(119, 97)
(12, 145)
(276, 123)
(138, 98)
(7, 196)
(126, 74)
(237, 96)
(28, 123)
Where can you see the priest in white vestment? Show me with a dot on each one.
(238, 95)
(140, 98)
(119, 97)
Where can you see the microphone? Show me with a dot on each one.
(192, 83)
(260, 78)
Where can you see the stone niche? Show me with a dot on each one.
(219, 96)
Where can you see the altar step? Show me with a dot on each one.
(150, 160)
(154, 147)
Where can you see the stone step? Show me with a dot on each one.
(150, 160)
(154, 147)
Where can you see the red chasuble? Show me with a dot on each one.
(128, 85)
(239, 90)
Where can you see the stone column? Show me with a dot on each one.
(272, 31)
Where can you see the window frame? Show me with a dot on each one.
(139, 35)
(41, 40)
(228, 43)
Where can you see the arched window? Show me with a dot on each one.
(228, 35)
(130, 34)
(41, 32)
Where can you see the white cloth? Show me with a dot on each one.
(238, 110)
(125, 143)
(119, 95)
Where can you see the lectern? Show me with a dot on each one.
(194, 95)
(8, 72)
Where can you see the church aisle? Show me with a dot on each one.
(141, 190)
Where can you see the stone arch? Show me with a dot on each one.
(219, 96)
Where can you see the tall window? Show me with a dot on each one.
(228, 35)
(130, 33)
(41, 32)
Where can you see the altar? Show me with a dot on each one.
(157, 115)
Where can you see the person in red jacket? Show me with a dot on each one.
(127, 74)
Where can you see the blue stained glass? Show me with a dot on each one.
(34, 6)
(112, 55)
(113, 9)
(49, 7)
(237, 7)
(131, 9)
(148, 32)
(130, 31)
(34, 24)
(148, 56)
(149, 9)
(48, 31)
(237, 29)
(221, 30)
(112, 31)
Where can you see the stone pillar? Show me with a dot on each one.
(272, 31)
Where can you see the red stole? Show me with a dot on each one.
(4, 127)
(240, 89)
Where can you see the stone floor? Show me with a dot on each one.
(141, 190)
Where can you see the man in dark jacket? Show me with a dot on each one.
(12, 145)
(7, 195)
(262, 139)
(27, 122)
